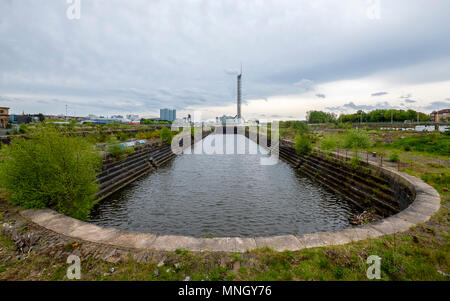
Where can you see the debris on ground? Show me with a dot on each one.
(362, 218)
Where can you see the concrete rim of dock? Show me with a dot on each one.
(426, 203)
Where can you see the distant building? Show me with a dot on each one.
(19, 119)
(4, 117)
(442, 115)
(168, 114)
(62, 117)
(133, 117)
(228, 120)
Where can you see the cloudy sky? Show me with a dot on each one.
(138, 56)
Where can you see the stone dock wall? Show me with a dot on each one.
(368, 186)
(117, 174)
(410, 201)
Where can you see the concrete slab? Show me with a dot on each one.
(428, 199)
(222, 244)
(61, 224)
(413, 216)
(279, 243)
(361, 233)
(321, 239)
(40, 216)
(94, 233)
(391, 225)
(133, 240)
(172, 243)
(425, 206)
(245, 244)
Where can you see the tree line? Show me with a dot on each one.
(381, 115)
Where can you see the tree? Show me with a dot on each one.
(166, 135)
(51, 170)
(320, 117)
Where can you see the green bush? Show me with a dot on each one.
(394, 158)
(141, 135)
(117, 151)
(51, 170)
(356, 139)
(329, 143)
(166, 135)
(432, 143)
(303, 145)
(355, 160)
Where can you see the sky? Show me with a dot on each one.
(108, 57)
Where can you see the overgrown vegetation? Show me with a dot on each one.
(303, 141)
(50, 170)
(433, 143)
(394, 157)
(166, 135)
(303, 145)
(356, 140)
(117, 151)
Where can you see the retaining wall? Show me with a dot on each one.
(117, 174)
(366, 185)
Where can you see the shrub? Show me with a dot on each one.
(51, 170)
(329, 143)
(303, 145)
(356, 139)
(166, 135)
(141, 135)
(355, 160)
(154, 135)
(394, 158)
(117, 151)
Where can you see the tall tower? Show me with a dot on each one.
(239, 77)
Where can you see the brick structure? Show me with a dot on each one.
(442, 115)
(4, 117)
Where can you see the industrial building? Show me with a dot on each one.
(168, 114)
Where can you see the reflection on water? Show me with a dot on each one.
(224, 195)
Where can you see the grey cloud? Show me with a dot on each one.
(352, 106)
(141, 55)
(321, 95)
(410, 100)
(406, 96)
(305, 85)
(438, 105)
(380, 93)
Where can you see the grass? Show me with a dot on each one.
(404, 257)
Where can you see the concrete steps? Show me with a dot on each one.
(364, 190)
(116, 175)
